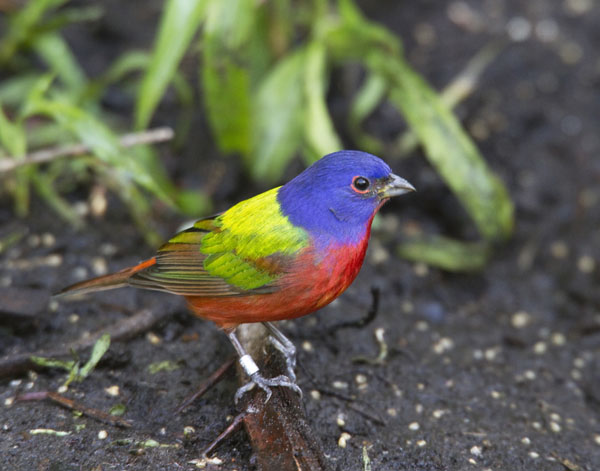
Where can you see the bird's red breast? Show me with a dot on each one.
(316, 279)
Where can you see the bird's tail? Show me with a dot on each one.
(105, 282)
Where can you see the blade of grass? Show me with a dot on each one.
(446, 253)
(53, 50)
(179, 22)
(449, 149)
(319, 131)
(277, 120)
(100, 348)
(22, 26)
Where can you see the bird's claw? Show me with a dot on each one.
(266, 384)
(289, 352)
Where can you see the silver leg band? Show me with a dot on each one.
(248, 364)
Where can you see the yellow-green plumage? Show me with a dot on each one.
(243, 249)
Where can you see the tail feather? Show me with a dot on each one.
(105, 282)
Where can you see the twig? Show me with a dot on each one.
(119, 331)
(278, 430)
(74, 405)
(46, 155)
(207, 384)
(232, 427)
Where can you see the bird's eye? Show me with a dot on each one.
(360, 184)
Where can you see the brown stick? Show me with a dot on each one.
(46, 155)
(206, 385)
(278, 430)
(119, 331)
(74, 405)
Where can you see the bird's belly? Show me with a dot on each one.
(311, 286)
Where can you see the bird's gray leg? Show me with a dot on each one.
(285, 346)
(251, 369)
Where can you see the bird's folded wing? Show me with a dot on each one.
(210, 259)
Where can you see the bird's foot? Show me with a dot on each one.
(266, 384)
(288, 350)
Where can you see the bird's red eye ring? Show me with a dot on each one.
(361, 184)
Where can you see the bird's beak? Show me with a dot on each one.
(395, 186)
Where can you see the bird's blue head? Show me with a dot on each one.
(336, 198)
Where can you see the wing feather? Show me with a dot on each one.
(218, 257)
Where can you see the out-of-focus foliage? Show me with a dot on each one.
(265, 71)
(60, 105)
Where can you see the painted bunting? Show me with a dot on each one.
(279, 255)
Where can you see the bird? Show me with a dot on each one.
(279, 255)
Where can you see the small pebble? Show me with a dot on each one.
(518, 28)
(570, 52)
(361, 381)
(578, 7)
(421, 443)
(472, 461)
(526, 441)
(343, 440)
(536, 425)
(9, 401)
(558, 339)
(340, 385)
(547, 30)
(340, 420)
(73, 318)
(307, 346)
(520, 319)
(102, 435)
(495, 394)
(48, 240)
(414, 426)
(15, 383)
(443, 345)
(439, 413)
(420, 269)
(476, 450)
(540, 348)
(316, 395)
(491, 353)
(80, 273)
(534, 455)
(559, 249)
(586, 264)
(529, 374)
(555, 427)
(597, 439)
(162, 431)
(153, 338)
(392, 412)
(99, 266)
(188, 430)
(579, 362)
(62, 389)
(555, 417)
(112, 390)
(419, 408)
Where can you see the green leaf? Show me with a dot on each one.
(100, 348)
(54, 50)
(446, 253)
(166, 365)
(318, 127)
(449, 149)
(53, 363)
(12, 136)
(118, 410)
(278, 115)
(179, 22)
(370, 95)
(22, 26)
(226, 91)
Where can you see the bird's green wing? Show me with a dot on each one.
(242, 251)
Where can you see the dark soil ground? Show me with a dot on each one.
(498, 370)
